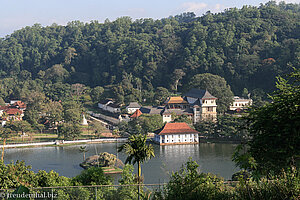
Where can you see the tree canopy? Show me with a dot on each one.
(217, 86)
(274, 130)
(131, 59)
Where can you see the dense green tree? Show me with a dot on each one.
(69, 130)
(217, 86)
(92, 176)
(161, 95)
(150, 123)
(53, 112)
(5, 133)
(97, 128)
(274, 130)
(248, 47)
(137, 150)
(57, 73)
(96, 94)
(20, 126)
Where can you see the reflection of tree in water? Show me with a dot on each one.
(213, 150)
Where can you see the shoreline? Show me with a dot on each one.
(59, 143)
(62, 143)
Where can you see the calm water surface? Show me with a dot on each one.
(214, 158)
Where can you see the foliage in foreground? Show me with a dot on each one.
(274, 131)
(188, 183)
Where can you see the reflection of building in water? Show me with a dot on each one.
(176, 133)
(179, 152)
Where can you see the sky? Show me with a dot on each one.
(16, 14)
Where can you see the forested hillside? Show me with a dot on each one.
(248, 47)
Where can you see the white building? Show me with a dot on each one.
(240, 103)
(110, 106)
(176, 133)
(203, 104)
(132, 107)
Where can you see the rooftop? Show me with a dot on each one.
(177, 100)
(152, 110)
(136, 114)
(199, 94)
(13, 111)
(133, 105)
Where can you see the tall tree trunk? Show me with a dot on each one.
(139, 170)
(139, 178)
(2, 156)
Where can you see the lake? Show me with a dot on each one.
(213, 157)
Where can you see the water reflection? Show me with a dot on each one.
(215, 158)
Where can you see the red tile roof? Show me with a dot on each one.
(136, 114)
(13, 111)
(177, 128)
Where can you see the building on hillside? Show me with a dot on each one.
(13, 114)
(12, 111)
(132, 107)
(240, 103)
(168, 113)
(152, 110)
(176, 103)
(203, 104)
(124, 117)
(110, 106)
(176, 133)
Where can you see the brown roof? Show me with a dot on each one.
(134, 105)
(177, 100)
(13, 111)
(177, 128)
(136, 114)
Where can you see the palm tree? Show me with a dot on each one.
(83, 150)
(137, 150)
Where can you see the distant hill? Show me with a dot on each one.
(248, 47)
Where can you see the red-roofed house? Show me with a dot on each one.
(136, 114)
(14, 114)
(176, 133)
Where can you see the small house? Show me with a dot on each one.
(240, 103)
(132, 107)
(110, 106)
